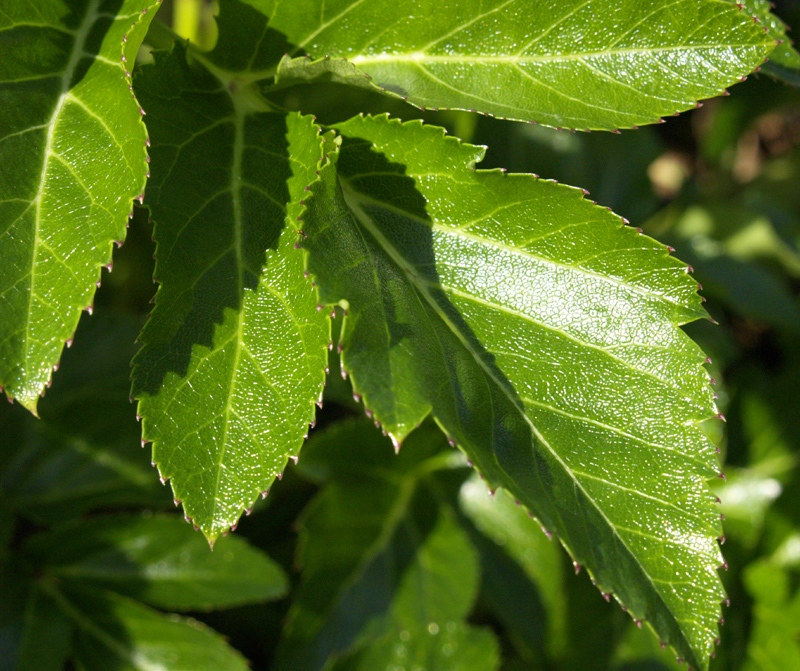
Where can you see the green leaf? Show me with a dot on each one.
(377, 550)
(116, 632)
(508, 525)
(46, 640)
(534, 61)
(775, 632)
(453, 647)
(544, 337)
(34, 634)
(85, 452)
(303, 70)
(158, 560)
(234, 352)
(62, 203)
(784, 61)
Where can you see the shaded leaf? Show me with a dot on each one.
(775, 633)
(116, 632)
(62, 203)
(159, 560)
(34, 635)
(544, 337)
(508, 526)
(85, 452)
(46, 640)
(534, 61)
(453, 647)
(235, 350)
(377, 552)
(303, 70)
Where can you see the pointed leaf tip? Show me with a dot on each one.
(528, 366)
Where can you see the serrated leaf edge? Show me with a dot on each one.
(164, 477)
(397, 440)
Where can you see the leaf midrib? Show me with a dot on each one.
(517, 59)
(500, 245)
(422, 288)
(236, 198)
(81, 35)
(351, 193)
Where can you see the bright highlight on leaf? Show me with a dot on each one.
(543, 335)
(235, 350)
(533, 61)
(538, 331)
(63, 202)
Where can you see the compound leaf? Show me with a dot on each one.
(234, 352)
(534, 61)
(544, 337)
(62, 202)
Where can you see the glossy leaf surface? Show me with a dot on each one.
(784, 61)
(159, 560)
(235, 350)
(377, 551)
(534, 61)
(62, 202)
(543, 335)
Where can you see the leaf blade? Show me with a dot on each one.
(784, 60)
(65, 77)
(535, 63)
(135, 637)
(235, 337)
(550, 396)
(378, 550)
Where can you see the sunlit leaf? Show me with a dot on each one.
(543, 335)
(784, 61)
(576, 64)
(72, 144)
(235, 350)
